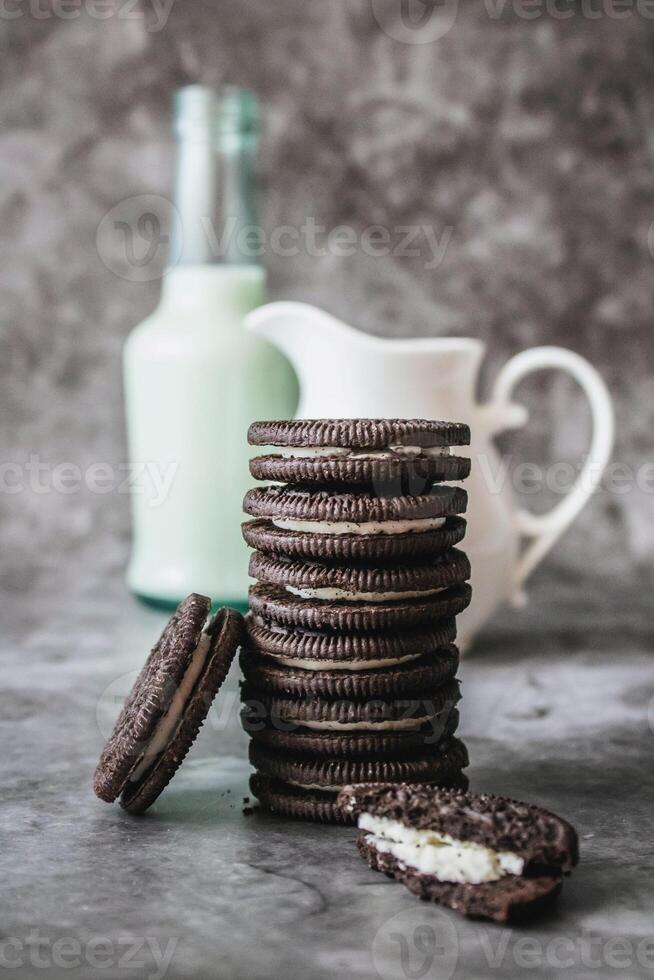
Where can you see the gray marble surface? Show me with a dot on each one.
(557, 714)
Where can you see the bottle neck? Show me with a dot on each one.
(216, 190)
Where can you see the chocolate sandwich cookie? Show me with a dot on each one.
(291, 801)
(274, 603)
(415, 678)
(354, 512)
(412, 453)
(371, 547)
(441, 762)
(358, 433)
(402, 468)
(377, 714)
(321, 807)
(168, 704)
(485, 856)
(362, 583)
(353, 744)
(310, 650)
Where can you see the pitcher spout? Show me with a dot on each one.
(298, 329)
(316, 344)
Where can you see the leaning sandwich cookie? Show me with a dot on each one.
(168, 704)
(483, 856)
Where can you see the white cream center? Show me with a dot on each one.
(323, 789)
(429, 852)
(397, 725)
(330, 594)
(167, 725)
(342, 664)
(412, 452)
(364, 528)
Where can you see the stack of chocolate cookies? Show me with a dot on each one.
(349, 662)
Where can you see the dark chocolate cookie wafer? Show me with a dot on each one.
(414, 678)
(511, 898)
(361, 508)
(442, 762)
(401, 471)
(350, 651)
(168, 704)
(321, 807)
(275, 604)
(354, 744)
(361, 583)
(410, 546)
(359, 433)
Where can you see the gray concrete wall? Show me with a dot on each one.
(530, 139)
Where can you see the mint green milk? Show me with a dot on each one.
(194, 379)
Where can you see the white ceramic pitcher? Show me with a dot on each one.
(345, 373)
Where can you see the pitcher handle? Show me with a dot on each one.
(543, 530)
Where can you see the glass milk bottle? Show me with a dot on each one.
(194, 379)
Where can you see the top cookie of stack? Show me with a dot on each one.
(358, 586)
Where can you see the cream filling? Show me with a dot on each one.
(343, 664)
(364, 528)
(335, 594)
(412, 452)
(397, 725)
(323, 789)
(167, 725)
(429, 852)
